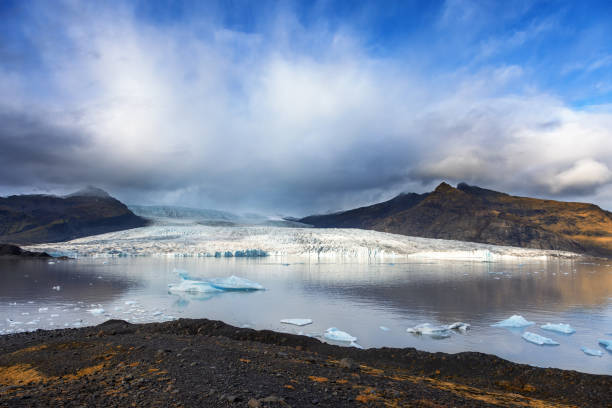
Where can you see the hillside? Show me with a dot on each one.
(27, 219)
(470, 213)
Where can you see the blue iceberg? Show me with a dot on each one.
(338, 335)
(559, 328)
(591, 352)
(606, 343)
(235, 283)
(539, 340)
(514, 321)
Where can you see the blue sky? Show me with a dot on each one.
(299, 107)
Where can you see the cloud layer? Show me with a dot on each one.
(290, 117)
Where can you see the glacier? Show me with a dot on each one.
(539, 340)
(514, 321)
(188, 238)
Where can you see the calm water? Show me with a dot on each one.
(354, 297)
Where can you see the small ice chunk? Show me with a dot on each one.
(539, 340)
(384, 328)
(158, 313)
(51, 263)
(428, 329)
(591, 352)
(514, 321)
(606, 343)
(235, 283)
(459, 326)
(118, 308)
(130, 302)
(96, 311)
(55, 315)
(57, 288)
(338, 335)
(559, 327)
(42, 309)
(297, 322)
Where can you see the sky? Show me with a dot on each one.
(295, 108)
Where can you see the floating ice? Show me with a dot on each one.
(57, 288)
(51, 263)
(440, 332)
(235, 283)
(130, 302)
(158, 313)
(459, 326)
(55, 315)
(559, 327)
(42, 309)
(384, 328)
(353, 344)
(591, 352)
(96, 311)
(338, 335)
(297, 322)
(606, 343)
(192, 286)
(513, 321)
(539, 340)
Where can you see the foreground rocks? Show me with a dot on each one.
(13, 251)
(207, 363)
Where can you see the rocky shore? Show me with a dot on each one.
(188, 363)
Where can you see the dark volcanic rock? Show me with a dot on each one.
(29, 219)
(14, 250)
(469, 213)
(239, 367)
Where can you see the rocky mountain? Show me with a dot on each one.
(28, 219)
(475, 214)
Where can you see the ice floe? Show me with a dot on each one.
(96, 311)
(338, 335)
(384, 328)
(297, 322)
(440, 332)
(591, 352)
(463, 327)
(192, 286)
(513, 321)
(606, 343)
(235, 283)
(559, 328)
(539, 340)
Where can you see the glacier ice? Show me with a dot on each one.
(559, 328)
(514, 321)
(440, 332)
(591, 352)
(235, 283)
(606, 343)
(297, 322)
(338, 335)
(192, 286)
(463, 327)
(539, 340)
(96, 311)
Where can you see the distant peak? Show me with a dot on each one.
(444, 187)
(90, 191)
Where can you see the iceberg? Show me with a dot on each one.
(440, 332)
(338, 335)
(559, 328)
(384, 328)
(297, 322)
(130, 302)
(235, 283)
(42, 309)
(192, 286)
(591, 352)
(96, 311)
(606, 343)
(513, 321)
(463, 327)
(539, 340)
(57, 288)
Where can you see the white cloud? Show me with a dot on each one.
(585, 174)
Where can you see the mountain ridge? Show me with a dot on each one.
(38, 218)
(475, 214)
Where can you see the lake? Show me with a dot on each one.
(357, 298)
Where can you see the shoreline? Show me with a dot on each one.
(200, 362)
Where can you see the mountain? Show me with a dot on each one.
(470, 213)
(28, 219)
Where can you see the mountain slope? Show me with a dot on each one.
(27, 219)
(469, 213)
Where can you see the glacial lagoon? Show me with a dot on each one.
(373, 301)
